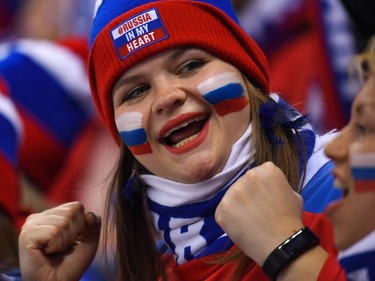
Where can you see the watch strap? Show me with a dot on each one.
(297, 244)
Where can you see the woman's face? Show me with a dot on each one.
(353, 152)
(180, 112)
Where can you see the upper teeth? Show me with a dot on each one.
(184, 124)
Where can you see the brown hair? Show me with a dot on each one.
(137, 257)
(8, 244)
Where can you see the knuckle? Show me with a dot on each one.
(54, 231)
(79, 207)
(65, 222)
(31, 218)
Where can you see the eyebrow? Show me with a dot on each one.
(124, 81)
(179, 52)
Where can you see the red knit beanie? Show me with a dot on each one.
(126, 32)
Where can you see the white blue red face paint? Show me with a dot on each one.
(224, 92)
(363, 171)
(129, 125)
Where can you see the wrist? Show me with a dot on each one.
(293, 247)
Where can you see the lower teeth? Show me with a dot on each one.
(185, 141)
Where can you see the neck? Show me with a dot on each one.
(184, 213)
(173, 193)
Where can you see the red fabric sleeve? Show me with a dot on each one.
(322, 227)
(200, 269)
(331, 270)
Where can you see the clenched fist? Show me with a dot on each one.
(58, 244)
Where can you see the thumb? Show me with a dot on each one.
(92, 230)
(89, 239)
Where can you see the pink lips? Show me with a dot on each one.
(176, 122)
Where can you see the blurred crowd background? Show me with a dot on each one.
(54, 149)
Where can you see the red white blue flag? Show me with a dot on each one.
(129, 125)
(363, 171)
(224, 92)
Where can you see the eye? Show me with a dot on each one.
(136, 92)
(191, 66)
(365, 76)
(362, 130)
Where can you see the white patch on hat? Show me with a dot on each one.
(96, 8)
(137, 32)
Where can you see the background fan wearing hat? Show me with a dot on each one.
(44, 76)
(59, 124)
(314, 40)
(184, 91)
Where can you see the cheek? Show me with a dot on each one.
(348, 222)
(129, 125)
(224, 92)
(361, 212)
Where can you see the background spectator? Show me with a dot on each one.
(309, 45)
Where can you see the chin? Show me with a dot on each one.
(201, 173)
(341, 244)
(343, 241)
(338, 244)
(198, 176)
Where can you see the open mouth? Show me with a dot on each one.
(333, 207)
(184, 132)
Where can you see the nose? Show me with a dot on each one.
(338, 149)
(169, 95)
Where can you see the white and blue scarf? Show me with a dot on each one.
(184, 213)
(359, 260)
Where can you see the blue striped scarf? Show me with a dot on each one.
(184, 213)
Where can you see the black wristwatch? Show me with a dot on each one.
(297, 244)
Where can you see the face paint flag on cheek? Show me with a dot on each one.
(224, 92)
(129, 125)
(363, 171)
